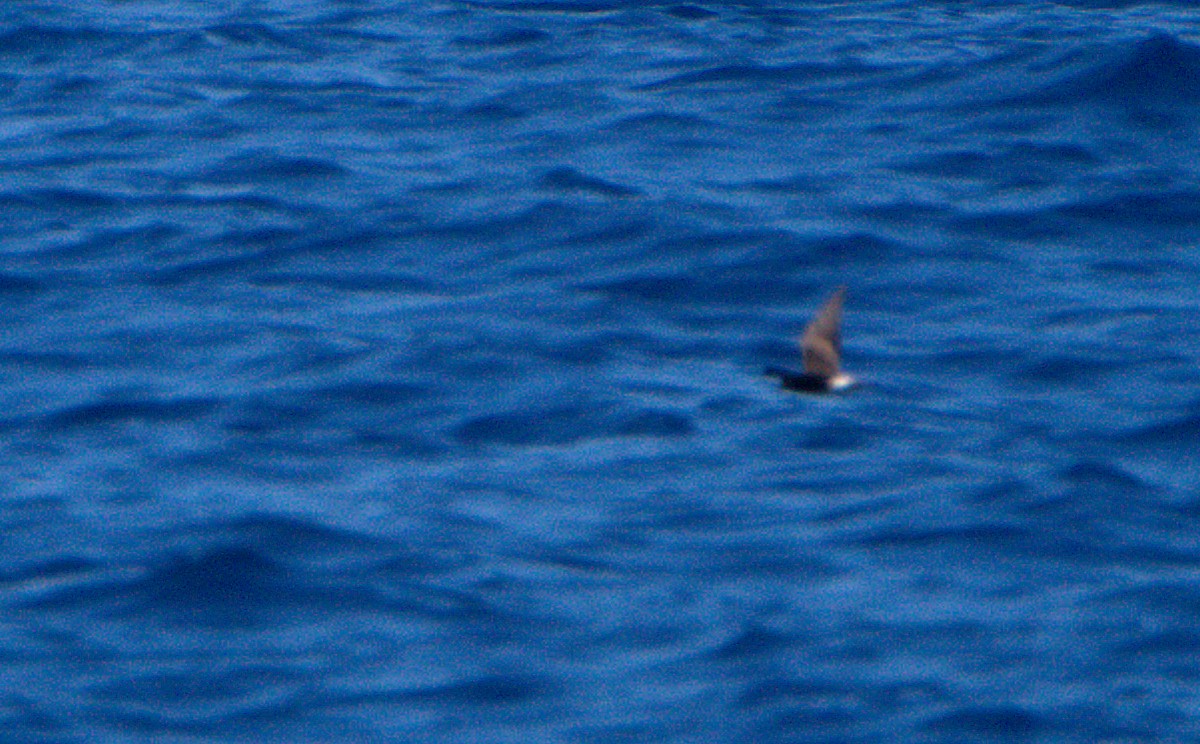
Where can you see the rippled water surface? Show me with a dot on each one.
(392, 371)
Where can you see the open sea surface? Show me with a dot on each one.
(392, 371)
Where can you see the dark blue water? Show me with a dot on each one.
(392, 372)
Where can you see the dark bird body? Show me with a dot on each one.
(800, 382)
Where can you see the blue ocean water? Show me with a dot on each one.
(383, 371)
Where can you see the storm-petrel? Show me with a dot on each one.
(821, 346)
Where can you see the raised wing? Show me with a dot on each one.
(821, 343)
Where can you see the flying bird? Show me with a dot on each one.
(821, 349)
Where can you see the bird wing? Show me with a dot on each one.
(821, 344)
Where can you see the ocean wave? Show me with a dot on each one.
(1005, 722)
(1000, 536)
(43, 43)
(567, 424)
(243, 573)
(1025, 163)
(1062, 369)
(1173, 434)
(1138, 207)
(256, 167)
(752, 267)
(505, 39)
(1161, 69)
(127, 408)
(758, 75)
(572, 181)
(1096, 475)
(489, 690)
